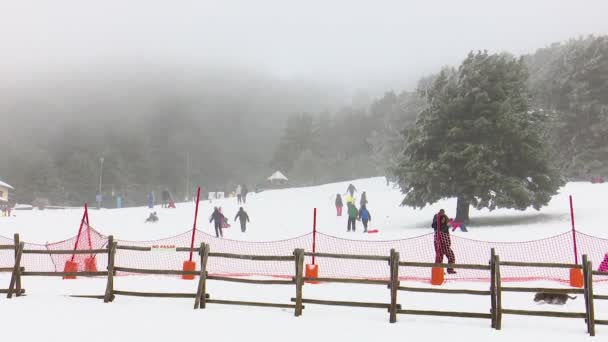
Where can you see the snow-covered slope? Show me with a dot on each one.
(285, 213)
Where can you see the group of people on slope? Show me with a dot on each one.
(241, 193)
(220, 221)
(6, 209)
(354, 214)
(167, 199)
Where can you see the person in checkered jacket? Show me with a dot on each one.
(443, 244)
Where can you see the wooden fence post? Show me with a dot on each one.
(498, 323)
(16, 271)
(394, 284)
(109, 295)
(493, 286)
(18, 281)
(201, 293)
(299, 261)
(588, 282)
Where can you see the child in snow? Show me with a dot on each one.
(339, 205)
(457, 224)
(243, 218)
(351, 190)
(217, 217)
(352, 216)
(363, 199)
(152, 218)
(604, 265)
(365, 217)
(225, 223)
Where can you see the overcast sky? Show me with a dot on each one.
(345, 41)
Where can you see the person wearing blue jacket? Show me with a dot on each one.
(365, 217)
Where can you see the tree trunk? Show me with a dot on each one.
(462, 210)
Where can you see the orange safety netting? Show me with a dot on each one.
(555, 249)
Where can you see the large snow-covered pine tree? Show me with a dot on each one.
(477, 141)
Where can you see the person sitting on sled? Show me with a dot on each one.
(152, 217)
(457, 224)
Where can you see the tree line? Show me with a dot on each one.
(495, 131)
(498, 131)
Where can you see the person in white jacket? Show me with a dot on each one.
(239, 197)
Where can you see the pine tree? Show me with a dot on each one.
(477, 141)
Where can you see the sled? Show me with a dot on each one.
(373, 231)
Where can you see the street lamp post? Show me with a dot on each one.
(99, 197)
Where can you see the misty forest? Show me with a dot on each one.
(497, 130)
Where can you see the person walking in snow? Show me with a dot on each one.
(217, 217)
(363, 199)
(364, 216)
(244, 193)
(239, 197)
(352, 216)
(339, 205)
(165, 196)
(243, 218)
(351, 190)
(443, 244)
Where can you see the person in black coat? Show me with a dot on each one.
(217, 218)
(351, 190)
(443, 243)
(166, 196)
(243, 218)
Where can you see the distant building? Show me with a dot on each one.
(277, 178)
(4, 190)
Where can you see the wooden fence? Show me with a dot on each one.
(202, 298)
(16, 269)
(491, 314)
(591, 296)
(587, 291)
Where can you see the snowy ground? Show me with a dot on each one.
(281, 214)
(47, 312)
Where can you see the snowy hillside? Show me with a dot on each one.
(286, 213)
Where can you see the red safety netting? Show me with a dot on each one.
(7, 256)
(555, 249)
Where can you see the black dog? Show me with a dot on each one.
(552, 298)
